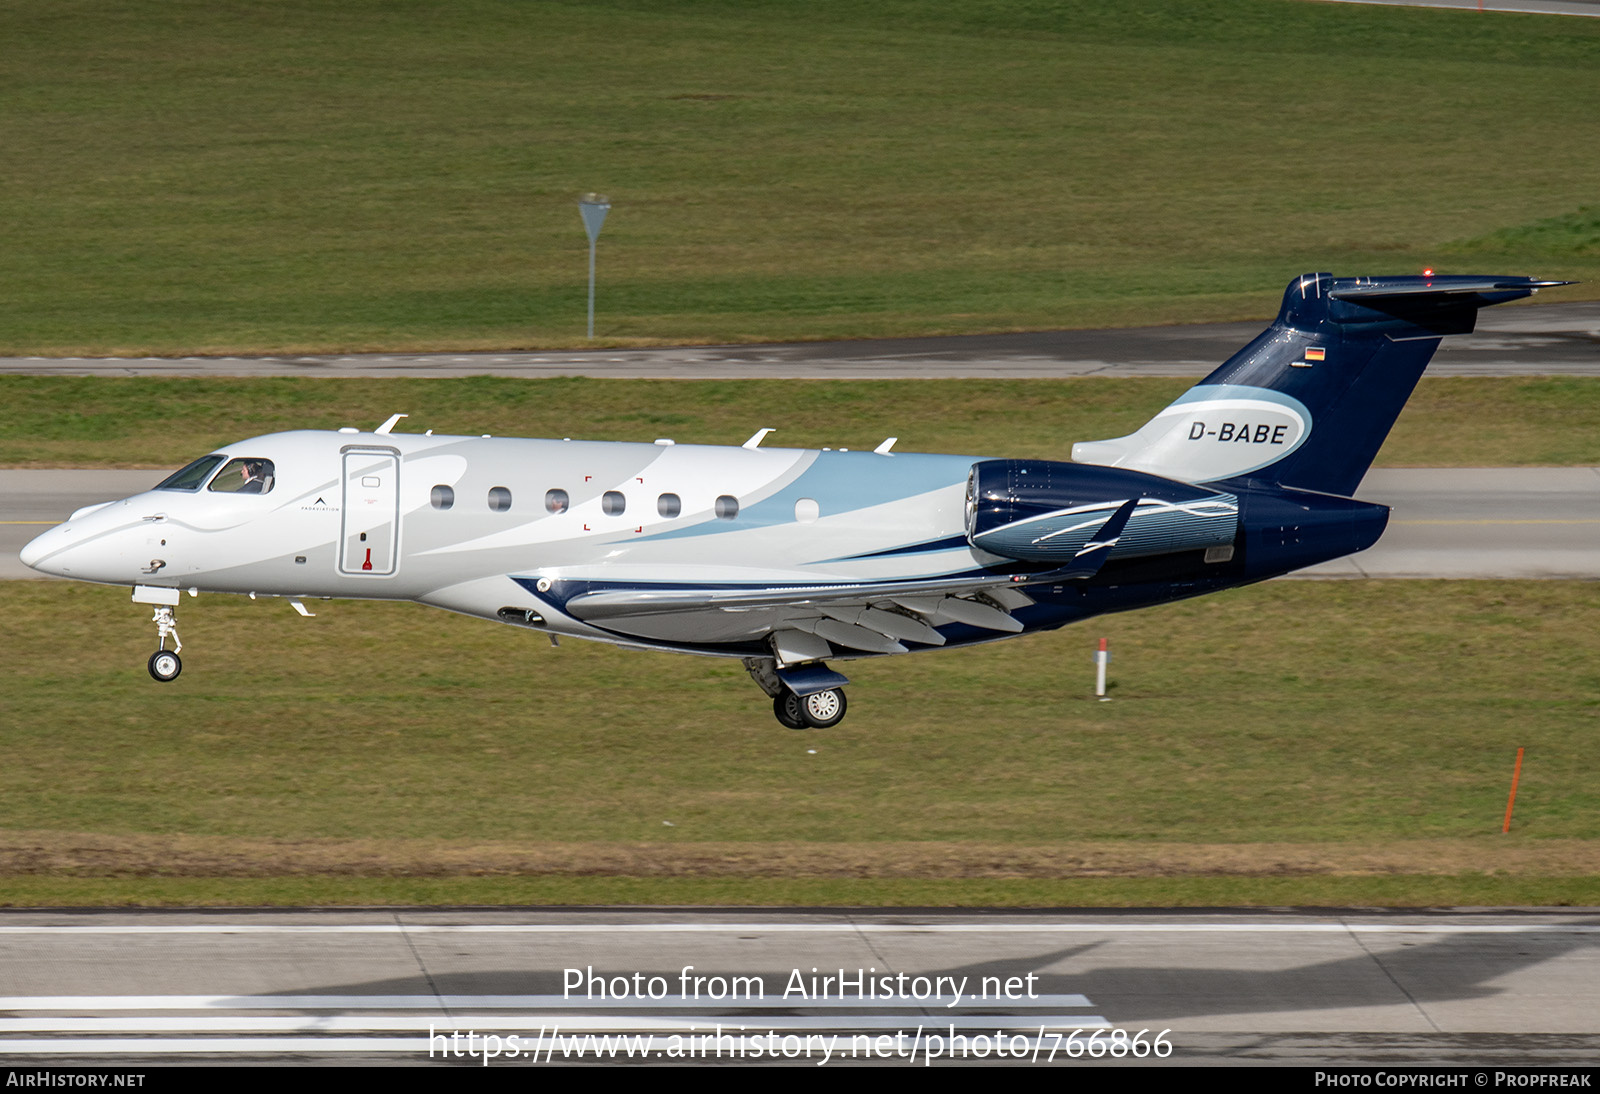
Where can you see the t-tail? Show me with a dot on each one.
(1307, 405)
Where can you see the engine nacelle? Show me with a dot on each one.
(1045, 511)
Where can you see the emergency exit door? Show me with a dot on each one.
(369, 543)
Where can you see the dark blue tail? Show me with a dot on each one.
(1309, 402)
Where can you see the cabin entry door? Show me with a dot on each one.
(369, 541)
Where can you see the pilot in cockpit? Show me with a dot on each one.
(255, 481)
(244, 476)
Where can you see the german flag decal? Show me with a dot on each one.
(1314, 353)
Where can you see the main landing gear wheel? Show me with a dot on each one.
(165, 665)
(787, 709)
(822, 709)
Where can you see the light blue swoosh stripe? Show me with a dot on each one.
(842, 482)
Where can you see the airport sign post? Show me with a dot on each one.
(594, 208)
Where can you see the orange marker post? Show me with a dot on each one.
(1515, 775)
(1101, 657)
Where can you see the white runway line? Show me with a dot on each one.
(574, 1023)
(80, 1003)
(145, 1046)
(727, 1046)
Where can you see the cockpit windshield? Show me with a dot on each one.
(191, 477)
(244, 476)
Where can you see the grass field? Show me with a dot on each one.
(99, 422)
(209, 175)
(1299, 742)
(221, 176)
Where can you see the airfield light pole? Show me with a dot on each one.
(594, 208)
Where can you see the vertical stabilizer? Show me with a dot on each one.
(1308, 403)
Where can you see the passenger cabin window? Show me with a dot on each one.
(612, 503)
(191, 477)
(442, 497)
(727, 507)
(669, 505)
(244, 476)
(499, 499)
(555, 501)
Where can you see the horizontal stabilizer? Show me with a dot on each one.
(1379, 287)
(1436, 306)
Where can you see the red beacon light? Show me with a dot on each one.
(1427, 273)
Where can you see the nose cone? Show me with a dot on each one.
(99, 547)
(37, 554)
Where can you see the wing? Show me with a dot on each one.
(807, 622)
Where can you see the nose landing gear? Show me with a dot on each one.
(165, 664)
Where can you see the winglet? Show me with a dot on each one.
(888, 443)
(755, 441)
(1087, 562)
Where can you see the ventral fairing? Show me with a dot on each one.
(789, 559)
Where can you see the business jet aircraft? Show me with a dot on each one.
(789, 558)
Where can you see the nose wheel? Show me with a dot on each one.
(165, 665)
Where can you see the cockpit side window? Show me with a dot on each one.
(191, 477)
(244, 476)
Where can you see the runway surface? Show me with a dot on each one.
(1447, 522)
(1468, 988)
(1551, 339)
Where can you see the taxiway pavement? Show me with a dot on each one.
(1548, 339)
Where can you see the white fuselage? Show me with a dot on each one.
(455, 522)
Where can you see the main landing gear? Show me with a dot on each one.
(805, 696)
(819, 710)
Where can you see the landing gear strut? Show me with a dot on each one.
(165, 664)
